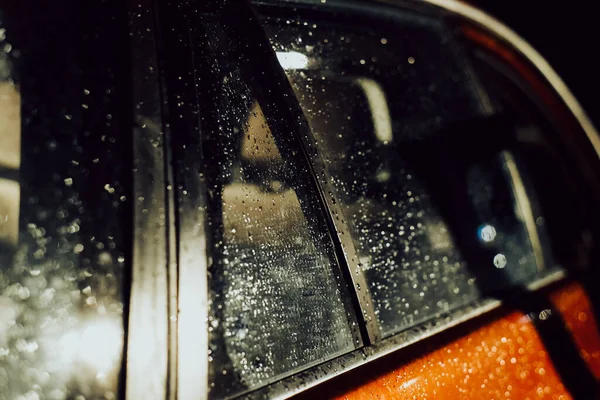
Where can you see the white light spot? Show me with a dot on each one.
(383, 176)
(487, 233)
(409, 383)
(292, 60)
(545, 314)
(378, 105)
(96, 345)
(109, 188)
(500, 260)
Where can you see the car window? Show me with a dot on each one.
(65, 162)
(419, 163)
(277, 301)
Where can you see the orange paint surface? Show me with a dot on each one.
(576, 310)
(502, 359)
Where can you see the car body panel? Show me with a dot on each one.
(504, 358)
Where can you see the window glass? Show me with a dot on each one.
(277, 302)
(64, 217)
(543, 148)
(418, 167)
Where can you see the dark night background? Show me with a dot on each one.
(566, 33)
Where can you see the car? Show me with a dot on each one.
(314, 199)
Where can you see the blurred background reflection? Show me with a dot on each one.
(63, 163)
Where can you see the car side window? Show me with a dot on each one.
(277, 301)
(421, 166)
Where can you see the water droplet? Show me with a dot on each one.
(500, 260)
(23, 293)
(104, 258)
(487, 233)
(545, 314)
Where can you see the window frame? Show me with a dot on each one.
(151, 341)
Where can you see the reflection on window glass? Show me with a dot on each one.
(10, 160)
(431, 209)
(63, 220)
(278, 304)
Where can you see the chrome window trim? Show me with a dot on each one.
(525, 209)
(193, 259)
(151, 345)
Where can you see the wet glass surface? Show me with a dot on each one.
(277, 302)
(64, 224)
(414, 162)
